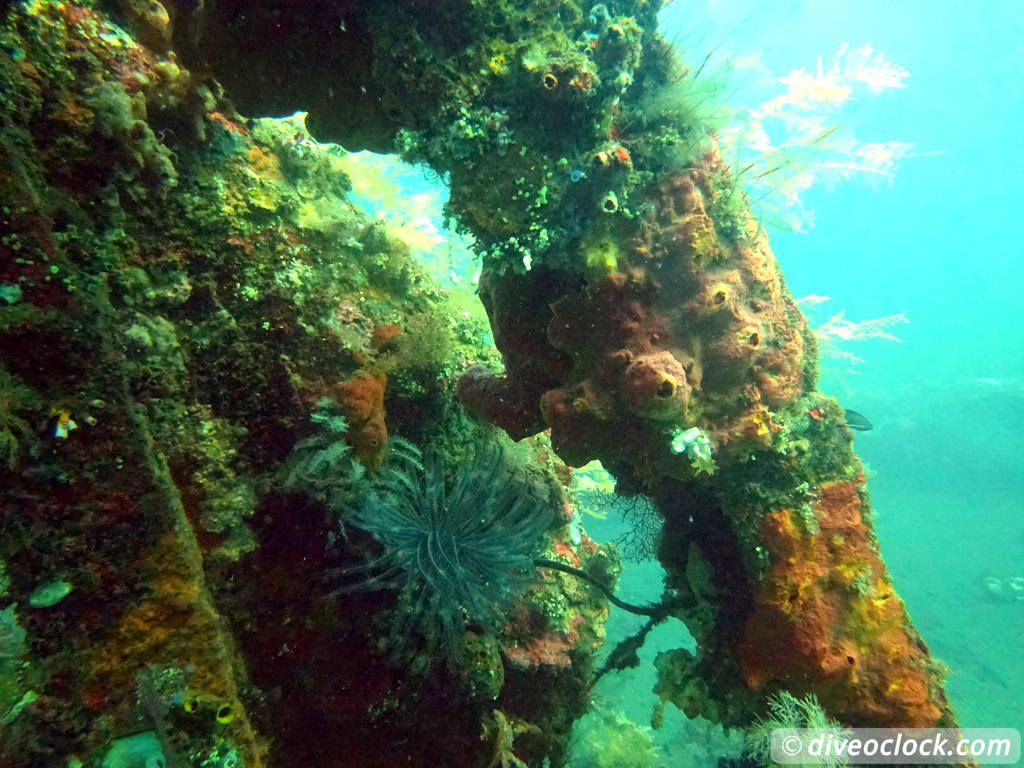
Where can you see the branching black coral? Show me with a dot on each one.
(456, 553)
(639, 541)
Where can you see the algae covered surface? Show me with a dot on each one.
(300, 448)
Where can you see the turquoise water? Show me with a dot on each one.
(938, 242)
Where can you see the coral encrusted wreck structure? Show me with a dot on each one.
(208, 352)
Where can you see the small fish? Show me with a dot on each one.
(64, 424)
(857, 421)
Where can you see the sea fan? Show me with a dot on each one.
(457, 554)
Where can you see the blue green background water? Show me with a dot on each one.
(942, 244)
